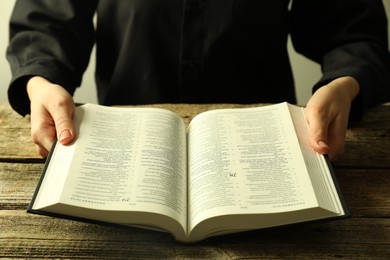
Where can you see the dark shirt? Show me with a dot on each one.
(198, 51)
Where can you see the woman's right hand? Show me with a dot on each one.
(52, 109)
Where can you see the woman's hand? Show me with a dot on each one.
(327, 114)
(52, 109)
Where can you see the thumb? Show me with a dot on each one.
(318, 133)
(63, 120)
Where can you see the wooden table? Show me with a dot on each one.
(363, 172)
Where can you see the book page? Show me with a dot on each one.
(317, 165)
(245, 161)
(128, 160)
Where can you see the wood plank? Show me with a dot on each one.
(17, 184)
(15, 140)
(367, 143)
(366, 190)
(39, 236)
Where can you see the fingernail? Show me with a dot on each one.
(65, 135)
(322, 144)
(323, 147)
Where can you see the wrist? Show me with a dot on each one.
(40, 88)
(349, 85)
(34, 83)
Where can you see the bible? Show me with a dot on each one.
(230, 170)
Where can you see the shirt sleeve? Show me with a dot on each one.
(52, 39)
(348, 38)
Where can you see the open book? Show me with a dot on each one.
(232, 170)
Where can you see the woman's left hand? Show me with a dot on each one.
(327, 114)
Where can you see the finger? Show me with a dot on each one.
(42, 151)
(336, 137)
(42, 136)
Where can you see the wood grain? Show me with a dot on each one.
(40, 236)
(363, 173)
(15, 140)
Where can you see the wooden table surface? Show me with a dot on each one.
(363, 172)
